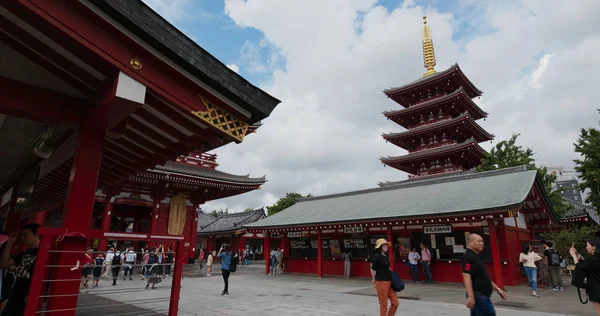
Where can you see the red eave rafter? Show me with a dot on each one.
(466, 121)
(48, 53)
(434, 153)
(458, 96)
(80, 24)
(18, 99)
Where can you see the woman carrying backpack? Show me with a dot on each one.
(226, 257)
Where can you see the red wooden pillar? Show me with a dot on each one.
(495, 254)
(80, 200)
(38, 218)
(13, 219)
(106, 218)
(391, 248)
(267, 250)
(320, 254)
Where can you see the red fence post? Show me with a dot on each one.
(177, 274)
(495, 254)
(38, 276)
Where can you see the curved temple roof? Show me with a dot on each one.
(408, 88)
(438, 150)
(465, 117)
(457, 194)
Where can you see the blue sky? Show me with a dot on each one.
(328, 61)
(207, 24)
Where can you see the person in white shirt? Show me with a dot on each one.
(413, 264)
(528, 259)
(130, 258)
(108, 263)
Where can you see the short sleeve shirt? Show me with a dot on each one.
(471, 264)
(381, 265)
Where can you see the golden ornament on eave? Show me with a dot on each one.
(177, 214)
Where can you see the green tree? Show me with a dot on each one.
(248, 209)
(588, 167)
(578, 235)
(285, 202)
(217, 213)
(508, 154)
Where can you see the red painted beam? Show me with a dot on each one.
(37, 104)
(48, 52)
(180, 118)
(76, 21)
(143, 130)
(115, 160)
(44, 63)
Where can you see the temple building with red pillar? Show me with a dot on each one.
(229, 229)
(442, 202)
(106, 111)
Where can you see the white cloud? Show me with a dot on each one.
(335, 57)
(536, 76)
(234, 67)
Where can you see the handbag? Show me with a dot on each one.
(579, 281)
(397, 283)
(522, 270)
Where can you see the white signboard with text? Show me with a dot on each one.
(443, 229)
(353, 230)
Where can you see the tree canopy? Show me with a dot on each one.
(285, 202)
(564, 238)
(508, 154)
(588, 167)
(219, 212)
(248, 209)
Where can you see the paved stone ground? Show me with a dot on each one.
(253, 293)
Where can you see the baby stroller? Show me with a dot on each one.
(153, 278)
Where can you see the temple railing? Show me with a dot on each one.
(199, 159)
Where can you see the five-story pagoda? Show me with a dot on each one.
(440, 117)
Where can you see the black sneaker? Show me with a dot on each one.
(223, 293)
(226, 293)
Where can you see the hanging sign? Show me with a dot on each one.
(437, 229)
(486, 230)
(353, 230)
(294, 234)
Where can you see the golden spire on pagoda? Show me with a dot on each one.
(428, 53)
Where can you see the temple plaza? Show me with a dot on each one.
(252, 293)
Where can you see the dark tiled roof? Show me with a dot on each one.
(204, 220)
(138, 18)
(461, 193)
(579, 209)
(209, 174)
(232, 222)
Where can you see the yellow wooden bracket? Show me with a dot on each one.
(222, 120)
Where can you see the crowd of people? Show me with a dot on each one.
(156, 264)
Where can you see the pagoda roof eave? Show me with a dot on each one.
(459, 93)
(206, 174)
(472, 90)
(440, 125)
(433, 152)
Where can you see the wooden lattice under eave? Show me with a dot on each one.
(222, 120)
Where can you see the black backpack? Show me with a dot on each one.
(555, 258)
(116, 261)
(234, 262)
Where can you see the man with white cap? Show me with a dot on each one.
(382, 278)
